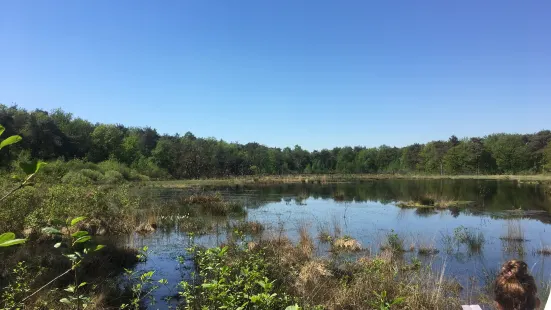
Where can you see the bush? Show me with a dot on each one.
(147, 166)
(76, 178)
(55, 171)
(113, 177)
(18, 206)
(113, 165)
(110, 206)
(92, 174)
(244, 285)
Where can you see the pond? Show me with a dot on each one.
(508, 219)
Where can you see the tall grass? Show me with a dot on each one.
(513, 240)
(473, 240)
(371, 282)
(515, 232)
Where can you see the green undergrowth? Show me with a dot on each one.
(276, 273)
(82, 172)
(26, 268)
(109, 209)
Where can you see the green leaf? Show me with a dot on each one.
(10, 140)
(31, 167)
(82, 284)
(28, 168)
(57, 245)
(7, 237)
(72, 257)
(77, 219)
(99, 247)
(83, 239)
(51, 231)
(65, 301)
(12, 242)
(2, 129)
(70, 289)
(294, 307)
(80, 233)
(39, 165)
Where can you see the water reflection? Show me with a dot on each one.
(506, 220)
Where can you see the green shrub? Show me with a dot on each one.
(233, 283)
(113, 177)
(110, 206)
(113, 165)
(148, 167)
(55, 171)
(92, 174)
(141, 177)
(18, 206)
(76, 178)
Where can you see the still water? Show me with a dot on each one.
(368, 212)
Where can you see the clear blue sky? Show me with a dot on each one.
(315, 73)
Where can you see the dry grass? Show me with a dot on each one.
(248, 227)
(213, 204)
(544, 250)
(346, 244)
(427, 250)
(431, 202)
(306, 243)
(324, 235)
(367, 283)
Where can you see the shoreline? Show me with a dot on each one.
(339, 178)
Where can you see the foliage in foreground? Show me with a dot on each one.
(276, 273)
(232, 282)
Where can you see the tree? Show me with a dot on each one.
(58, 135)
(366, 161)
(536, 145)
(453, 141)
(432, 157)
(510, 152)
(130, 148)
(547, 157)
(106, 141)
(411, 158)
(388, 159)
(458, 160)
(345, 160)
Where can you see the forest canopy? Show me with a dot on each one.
(58, 135)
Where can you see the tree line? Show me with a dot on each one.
(58, 135)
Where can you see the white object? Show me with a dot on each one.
(548, 306)
(473, 307)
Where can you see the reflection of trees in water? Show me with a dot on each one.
(489, 195)
(493, 195)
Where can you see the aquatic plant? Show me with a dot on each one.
(393, 242)
(473, 240)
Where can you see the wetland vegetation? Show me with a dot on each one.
(257, 227)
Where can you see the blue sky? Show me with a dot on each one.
(315, 73)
